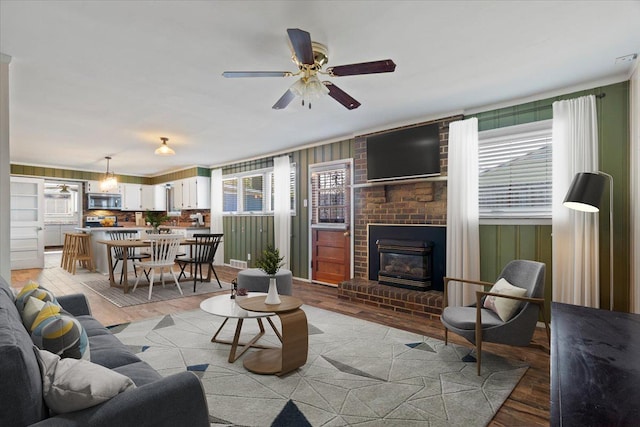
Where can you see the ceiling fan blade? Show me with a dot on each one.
(384, 66)
(256, 74)
(284, 100)
(301, 43)
(341, 96)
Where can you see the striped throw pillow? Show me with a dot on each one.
(60, 333)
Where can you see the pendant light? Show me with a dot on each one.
(164, 149)
(109, 182)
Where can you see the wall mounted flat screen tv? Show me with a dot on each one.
(403, 154)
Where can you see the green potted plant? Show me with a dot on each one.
(270, 262)
(154, 219)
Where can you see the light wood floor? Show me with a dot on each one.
(528, 404)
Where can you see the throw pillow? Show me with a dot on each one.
(31, 310)
(71, 385)
(32, 289)
(60, 333)
(505, 308)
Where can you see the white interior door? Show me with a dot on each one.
(27, 223)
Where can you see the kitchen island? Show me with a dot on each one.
(100, 259)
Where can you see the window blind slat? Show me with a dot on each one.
(515, 174)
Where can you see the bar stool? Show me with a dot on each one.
(66, 251)
(77, 250)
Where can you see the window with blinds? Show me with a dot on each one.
(230, 195)
(253, 192)
(515, 175)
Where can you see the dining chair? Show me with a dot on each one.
(514, 322)
(163, 250)
(202, 253)
(118, 251)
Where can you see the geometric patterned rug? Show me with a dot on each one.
(117, 297)
(357, 373)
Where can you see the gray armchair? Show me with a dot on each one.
(478, 324)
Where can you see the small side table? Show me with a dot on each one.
(295, 337)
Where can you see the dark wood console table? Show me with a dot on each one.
(595, 367)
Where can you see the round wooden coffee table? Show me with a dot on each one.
(295, 337)
(224, 306)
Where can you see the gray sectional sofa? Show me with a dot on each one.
(176, 400)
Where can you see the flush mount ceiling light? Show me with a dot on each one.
(164, 149)
(109, 182)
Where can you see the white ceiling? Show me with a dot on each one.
(95, 78)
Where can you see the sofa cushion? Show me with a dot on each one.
(92, 326)
(60, 333)
(71, 385)
(140, 372)
(108, 351)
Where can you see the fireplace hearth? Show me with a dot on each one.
(405, 263)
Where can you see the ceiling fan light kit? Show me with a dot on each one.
(164, 149)
(310, 57)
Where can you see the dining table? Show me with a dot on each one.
(126, 245)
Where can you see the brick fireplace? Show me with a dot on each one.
(412, 203)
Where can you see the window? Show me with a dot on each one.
(253, 192)
(515, 171)
(230, 195)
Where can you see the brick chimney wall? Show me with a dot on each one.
(412, 203)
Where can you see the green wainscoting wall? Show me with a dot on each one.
(614, 153)
(500, 244)
(249, 234)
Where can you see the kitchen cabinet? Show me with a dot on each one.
(94, 187)
(192, 193)
(140, 197)
(54, 233)
(131, 197)
(154, 197)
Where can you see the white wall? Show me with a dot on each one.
(634, 121)
(5, 171)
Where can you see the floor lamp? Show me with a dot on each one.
(585, 194)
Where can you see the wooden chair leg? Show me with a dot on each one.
(446, 336)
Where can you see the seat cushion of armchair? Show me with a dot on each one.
(464, 318)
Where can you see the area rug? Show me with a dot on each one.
(116, 295)
(357, 373)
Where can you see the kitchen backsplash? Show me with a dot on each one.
(130, 217)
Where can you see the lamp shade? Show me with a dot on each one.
(585, 192)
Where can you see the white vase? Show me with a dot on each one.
(272, 295)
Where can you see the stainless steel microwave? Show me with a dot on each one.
(107, 201)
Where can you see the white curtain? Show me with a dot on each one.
(282, 208)
(575, 234)
(216, 212)
(463, 241)
(635, 190)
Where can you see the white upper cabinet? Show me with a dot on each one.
(131, 197)
(192, 193)
(154, 197)
(94, 187)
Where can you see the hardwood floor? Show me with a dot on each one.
(528, 404)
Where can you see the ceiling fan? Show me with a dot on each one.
(64, 188)
(310, 57)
